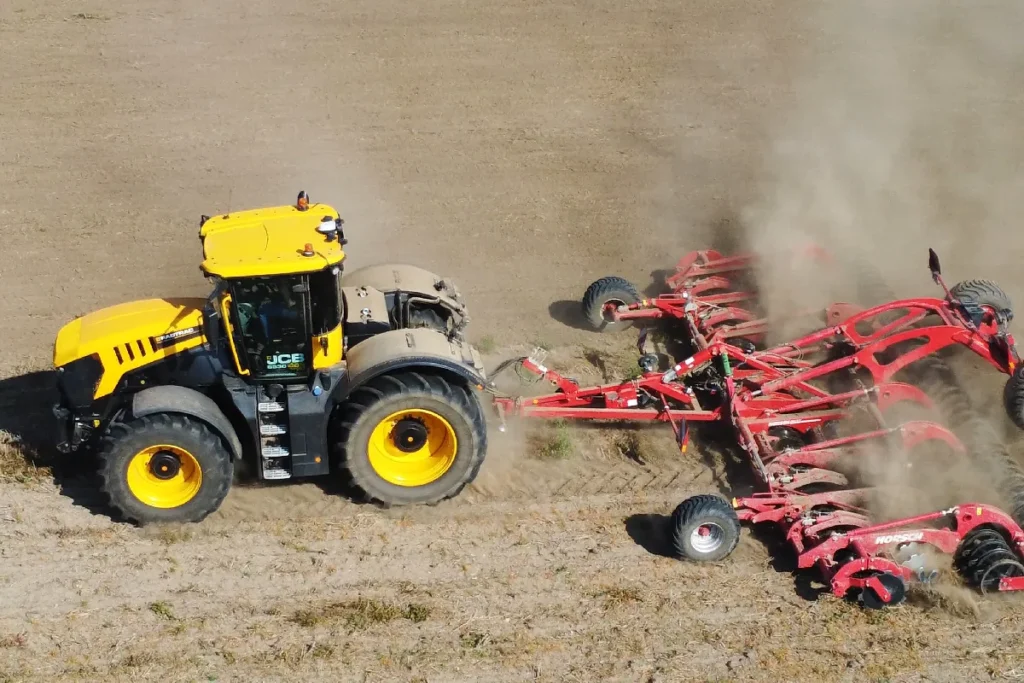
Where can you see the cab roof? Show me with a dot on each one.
(268, 241)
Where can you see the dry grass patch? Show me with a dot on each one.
(487, 344)
(615, 596)
(360, 614)
(18, 463)
(163, 610)
(553, 442)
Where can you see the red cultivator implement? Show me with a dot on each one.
(713, 290)
(786, 406)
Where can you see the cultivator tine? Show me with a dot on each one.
(641, 342)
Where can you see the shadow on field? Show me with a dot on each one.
(569, 314)
(651, 532)
(26, 403)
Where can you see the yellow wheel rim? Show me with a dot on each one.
(164, 476)
(412, 447)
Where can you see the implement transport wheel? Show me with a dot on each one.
(984, 293)
(164, 468)
(602, 297)
(705, 528)
(893, 584)
(410, 438)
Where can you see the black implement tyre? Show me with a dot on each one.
(608, 291)
(411, 438)
(1013, 397)
(984, 293)
(705, 528)
(164, 468)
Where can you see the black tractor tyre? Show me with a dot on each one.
(983, 293)
(601, 293)
(125, 441)
(717, 519)
(370, 404)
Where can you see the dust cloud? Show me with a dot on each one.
(902, 133)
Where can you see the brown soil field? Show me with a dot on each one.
(524, 149)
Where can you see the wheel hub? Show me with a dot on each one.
(609, 308)
(164, 465)
(707, 538)
(409, 435)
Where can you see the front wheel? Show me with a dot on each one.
(410, 438)
(705, 528)
(164, 468)
(604, 296)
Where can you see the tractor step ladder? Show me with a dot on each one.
(272, 419)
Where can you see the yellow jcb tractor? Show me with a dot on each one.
(286, 365)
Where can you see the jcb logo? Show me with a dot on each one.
(280, 361)
(899, 538)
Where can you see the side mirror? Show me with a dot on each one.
(933, 264)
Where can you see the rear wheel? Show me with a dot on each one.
(411, 438)
(602, 297)
(164, 468)
(705, 528)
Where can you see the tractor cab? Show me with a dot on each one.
(278, 274)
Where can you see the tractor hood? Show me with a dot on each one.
(131, 334)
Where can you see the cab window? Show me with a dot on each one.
(272, 321)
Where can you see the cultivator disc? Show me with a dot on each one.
(884, 590)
